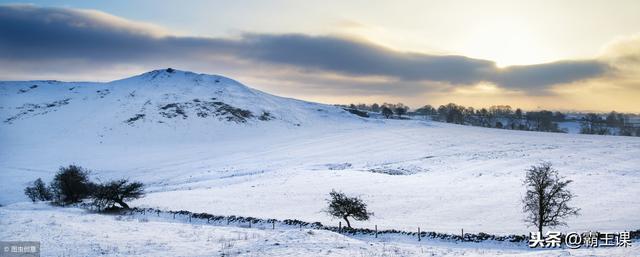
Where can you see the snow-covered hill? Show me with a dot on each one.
(203, 143)
(160, 104)
(59, 122)
(164, 108)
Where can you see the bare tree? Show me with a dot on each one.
(375, 107)
(342, 206)
(71, 185)
(547, 198)
(117, 192)
(38, 191)
(401, 110)
(386, 112)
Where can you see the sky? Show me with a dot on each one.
(561, 55)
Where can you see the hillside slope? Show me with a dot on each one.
(157, 105)
(441, 177)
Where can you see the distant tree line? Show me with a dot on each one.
(505, 117)
(612, 124)
(497, 116)
(387, 110)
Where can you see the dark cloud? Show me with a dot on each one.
(37, 35)
(360, 58)
(528, 76)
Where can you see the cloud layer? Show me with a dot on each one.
(35, 36)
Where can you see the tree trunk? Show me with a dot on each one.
(347, 220)
(121, 203)
(541, 210)
(540, 228)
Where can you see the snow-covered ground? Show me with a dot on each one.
(572, 127)
(75, 232)
(194, 156)
(465, 177)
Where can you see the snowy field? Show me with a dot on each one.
(75, 232)
(470, 180)
(436, 176)
(459, 177)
